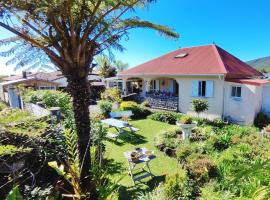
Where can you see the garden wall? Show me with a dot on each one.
(36, 110)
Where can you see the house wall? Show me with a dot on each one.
(62, 82)
(246, 108)
(215, 102)
(266, 99)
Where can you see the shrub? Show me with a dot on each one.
(112, 95)
(261, 120)
(201, 133)
(199, 105)
(137, 110)
(167, 117)
(129, 105)
(105, 107)
(50, 98)
(3, 105)
(201, 168)
(167, 139)
(176, 187)
(13, 116)
(184, 150)
(186, 120)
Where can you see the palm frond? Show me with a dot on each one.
(162, 30)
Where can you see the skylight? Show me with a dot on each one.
(182, 55)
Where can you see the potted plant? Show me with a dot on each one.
(187, 125)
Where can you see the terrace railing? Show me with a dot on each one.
(163, 102)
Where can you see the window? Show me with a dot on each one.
(202, 88)
(155, 85)
(236, 91)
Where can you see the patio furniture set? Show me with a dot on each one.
(136, 157)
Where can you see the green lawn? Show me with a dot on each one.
(161, 166)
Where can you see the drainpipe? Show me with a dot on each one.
(223, 99)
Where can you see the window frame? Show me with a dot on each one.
(235, 95)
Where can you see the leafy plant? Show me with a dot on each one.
(138, 111)
(261, 120)
(105, 107)
(14, 194)
(199, 105)
(129, 105)
(3, 105)
(10, 150)
(71, 173)
(167, 117)
(201, 168)
(13, 116)
(50, 98)
(112, 95)
(176, 187)
(186, 120)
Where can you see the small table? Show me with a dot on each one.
(142, 160)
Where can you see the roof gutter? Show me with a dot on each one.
(169, 75)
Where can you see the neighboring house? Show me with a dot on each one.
(41, 81)
(37, 81)
(233, 89)
(58, 77)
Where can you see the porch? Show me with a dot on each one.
(161, 93)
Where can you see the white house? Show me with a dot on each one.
(233, 89)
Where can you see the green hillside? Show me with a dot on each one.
(260, 63)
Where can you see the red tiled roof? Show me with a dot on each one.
(256, 82)
(201, 60)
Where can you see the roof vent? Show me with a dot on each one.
(182, 55)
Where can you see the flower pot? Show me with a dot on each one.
(186, 128)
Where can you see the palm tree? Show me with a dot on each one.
(71, 33)
(105, 66)
(121, 66)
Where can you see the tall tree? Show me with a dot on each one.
(120, 65)
(71, 33)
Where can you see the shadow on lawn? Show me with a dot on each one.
(133, 192)
(132, 138)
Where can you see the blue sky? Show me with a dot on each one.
(239, 26)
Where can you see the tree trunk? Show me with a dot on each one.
(80, 92)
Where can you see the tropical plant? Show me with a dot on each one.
(199, 105)
(104, 66)
(120, 65)
(70, 172)
(14, 194)
(70, 34)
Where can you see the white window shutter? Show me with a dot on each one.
(209, 89)
(195, 88)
